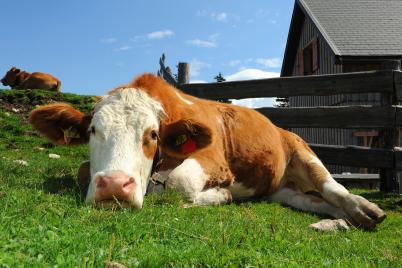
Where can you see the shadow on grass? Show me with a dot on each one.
(65, 185)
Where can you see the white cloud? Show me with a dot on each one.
(255, 102)
(109, 40)
(196, 66)
(222, 17)
(219, 17)
(202, 43)
(201, 13)
(160, 34)
(213, 37)
(262, 13)
(123, 48)
(153, 36)
(269, 63)
(233, 63)
(249, 74)
(210, 43)
(198, 81)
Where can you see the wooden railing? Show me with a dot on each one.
(387, 117)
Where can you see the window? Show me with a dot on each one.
(308, 62)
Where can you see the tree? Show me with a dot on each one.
(219, 78)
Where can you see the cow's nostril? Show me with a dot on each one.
(129, 182)
(101, 182)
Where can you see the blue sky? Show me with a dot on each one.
(95, 45)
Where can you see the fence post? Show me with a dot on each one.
(183, 75)
(390, 138)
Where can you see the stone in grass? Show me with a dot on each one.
(113, 264)
(21, 162)
(330, 225)
(54, 156)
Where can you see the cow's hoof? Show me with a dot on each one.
(363, 213)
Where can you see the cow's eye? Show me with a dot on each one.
(154, 135)
(92, 130)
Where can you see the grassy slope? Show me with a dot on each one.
(44, 222)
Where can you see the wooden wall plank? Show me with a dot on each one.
(319, 85)
(356, 156)
(335, 117)
(398, 85)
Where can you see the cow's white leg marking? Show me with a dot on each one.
(189, 178)
(306, 202)
(239, 191)
(213, 196)
(332, 191)
(357, 209)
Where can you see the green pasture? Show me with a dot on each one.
(44, 222)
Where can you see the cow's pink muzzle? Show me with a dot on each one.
(116, 186)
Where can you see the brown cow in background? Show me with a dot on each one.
(15, 78)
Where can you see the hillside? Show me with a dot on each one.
(45, 223)
(25, 100)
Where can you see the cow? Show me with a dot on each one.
(15, 78)
(211, 152)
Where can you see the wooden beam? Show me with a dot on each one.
(390, 137)
(355, 156)
(363, 116)
(398, 85)
(371, 179)
(318, 85)
(183, 73)
(398, 158)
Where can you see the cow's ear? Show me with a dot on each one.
(16, 70)
(61, 123)
(185, 137)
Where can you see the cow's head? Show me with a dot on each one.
(11, 76)
(123, 137)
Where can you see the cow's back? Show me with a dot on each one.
(42, 81)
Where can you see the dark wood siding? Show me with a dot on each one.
(327, 65)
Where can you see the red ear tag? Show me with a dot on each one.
(189, 146)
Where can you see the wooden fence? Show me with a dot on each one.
(387, 117)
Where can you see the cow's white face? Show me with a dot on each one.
(123, 142)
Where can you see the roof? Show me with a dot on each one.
(358, 27)
(352, 28)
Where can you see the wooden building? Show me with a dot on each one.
(328, 37)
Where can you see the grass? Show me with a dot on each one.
(44, 222)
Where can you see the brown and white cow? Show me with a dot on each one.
(211, 152)
(15, 78)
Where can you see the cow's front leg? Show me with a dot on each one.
(359, 211)
(194, 182)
